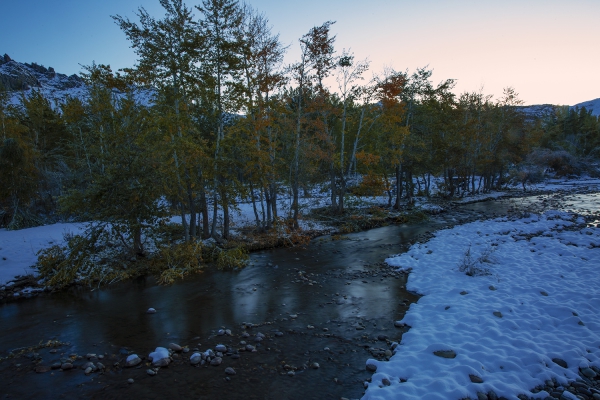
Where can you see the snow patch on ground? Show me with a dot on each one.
(18, 249)
(537, 299)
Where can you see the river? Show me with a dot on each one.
(332, 303)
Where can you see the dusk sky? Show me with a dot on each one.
(546, 49)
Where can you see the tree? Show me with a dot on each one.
(221, 68)
(349, 73)
(120, 195)
(169, 52)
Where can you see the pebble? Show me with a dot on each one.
(151, 311)
(216, 361)
(132, 361)
(291, 373)
(445, 353)
(88, 370)
(315, 365)
(399, 324)
(66, 366)
(475, 379)
(560, 362)
(371, 367)
(230, 371)
(497, 314)
(588, 372)
(130, 380)
(195, 358)
(221, 347)
(175, 347)
(151, 372)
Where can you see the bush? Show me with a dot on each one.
(559, 161)
(177, 261)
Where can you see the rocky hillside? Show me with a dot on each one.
(592, 105)
(21, 78)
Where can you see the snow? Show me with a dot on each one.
(131, 357)
(159, 354)
(18, 249)
(591, 105)
(537, 300)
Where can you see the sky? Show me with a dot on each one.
(545, 49)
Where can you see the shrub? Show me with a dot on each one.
(559, 161)
(475, 266)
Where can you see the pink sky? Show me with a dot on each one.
(546, 49)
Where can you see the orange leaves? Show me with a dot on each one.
(367, 159)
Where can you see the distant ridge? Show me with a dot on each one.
(591, 105)
(21, 79)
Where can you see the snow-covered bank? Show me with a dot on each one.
(535, 298)
(18, 249)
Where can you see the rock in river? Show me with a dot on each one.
(160, 357)
(132, 360)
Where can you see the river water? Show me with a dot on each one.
(331, 303)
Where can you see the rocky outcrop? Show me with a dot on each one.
(19, 77)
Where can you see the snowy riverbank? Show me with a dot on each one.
(532, 304)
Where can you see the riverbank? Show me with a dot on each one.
(509, 309)
(18, 249)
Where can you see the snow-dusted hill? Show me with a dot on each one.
(21, 79)
(591, 105)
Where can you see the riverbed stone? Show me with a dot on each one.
(230, 371)
(151, 311)
(445, 353)
(371, 367)
(151, 372)
(132, 361)
(221, 347)
(588, 372)
(215, 362)
(475, 379)
(195, 358)
(175, 347)
(66, 366)
(560, 362)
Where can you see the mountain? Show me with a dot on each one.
(542, 110)
(21, 78)
(537, 111)
(591, 105)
